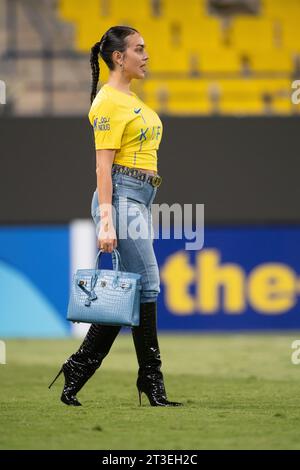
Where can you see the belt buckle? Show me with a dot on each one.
(156, 181)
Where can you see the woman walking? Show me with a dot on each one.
(127, 135)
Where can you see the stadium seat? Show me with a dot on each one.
(186, 41)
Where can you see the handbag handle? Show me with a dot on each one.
(97, 264)
(91, 295)
(118, 256)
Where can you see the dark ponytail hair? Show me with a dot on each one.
(113, 40)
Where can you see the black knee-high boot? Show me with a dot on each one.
(83, 364)
(150, 378)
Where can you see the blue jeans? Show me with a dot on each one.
(132, 199)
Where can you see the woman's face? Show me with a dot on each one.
(135, 57)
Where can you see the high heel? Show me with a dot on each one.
(80, 366)
(56, 378)
(155, 391)
(68, 397)
(74, 380)
(150, 378)
(140, 397)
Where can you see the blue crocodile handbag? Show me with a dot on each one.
(107, 297)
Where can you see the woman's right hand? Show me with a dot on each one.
(107, 239)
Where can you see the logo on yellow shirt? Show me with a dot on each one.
(101, 124)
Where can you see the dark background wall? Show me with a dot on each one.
(242, 169)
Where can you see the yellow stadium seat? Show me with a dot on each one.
(156, 34)
(283, 106)
(166, 62)
(184, 96)
(271, 60)
(252, 33)
(186, 36)
(96, 27)
(218, 60)
(250, 106)
(202, 34)
(127, 10)
(291, 35)
(76, 9)
(70, 9)
(281, 8)
(182, 11)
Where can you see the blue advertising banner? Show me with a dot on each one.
(244, 278)
(34, 274)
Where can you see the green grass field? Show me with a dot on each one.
(239, 392)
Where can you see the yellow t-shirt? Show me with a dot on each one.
(124, 122)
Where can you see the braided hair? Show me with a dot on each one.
(113, 40)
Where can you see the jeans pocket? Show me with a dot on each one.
(130, 182)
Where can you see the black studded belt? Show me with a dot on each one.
(155, 180)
